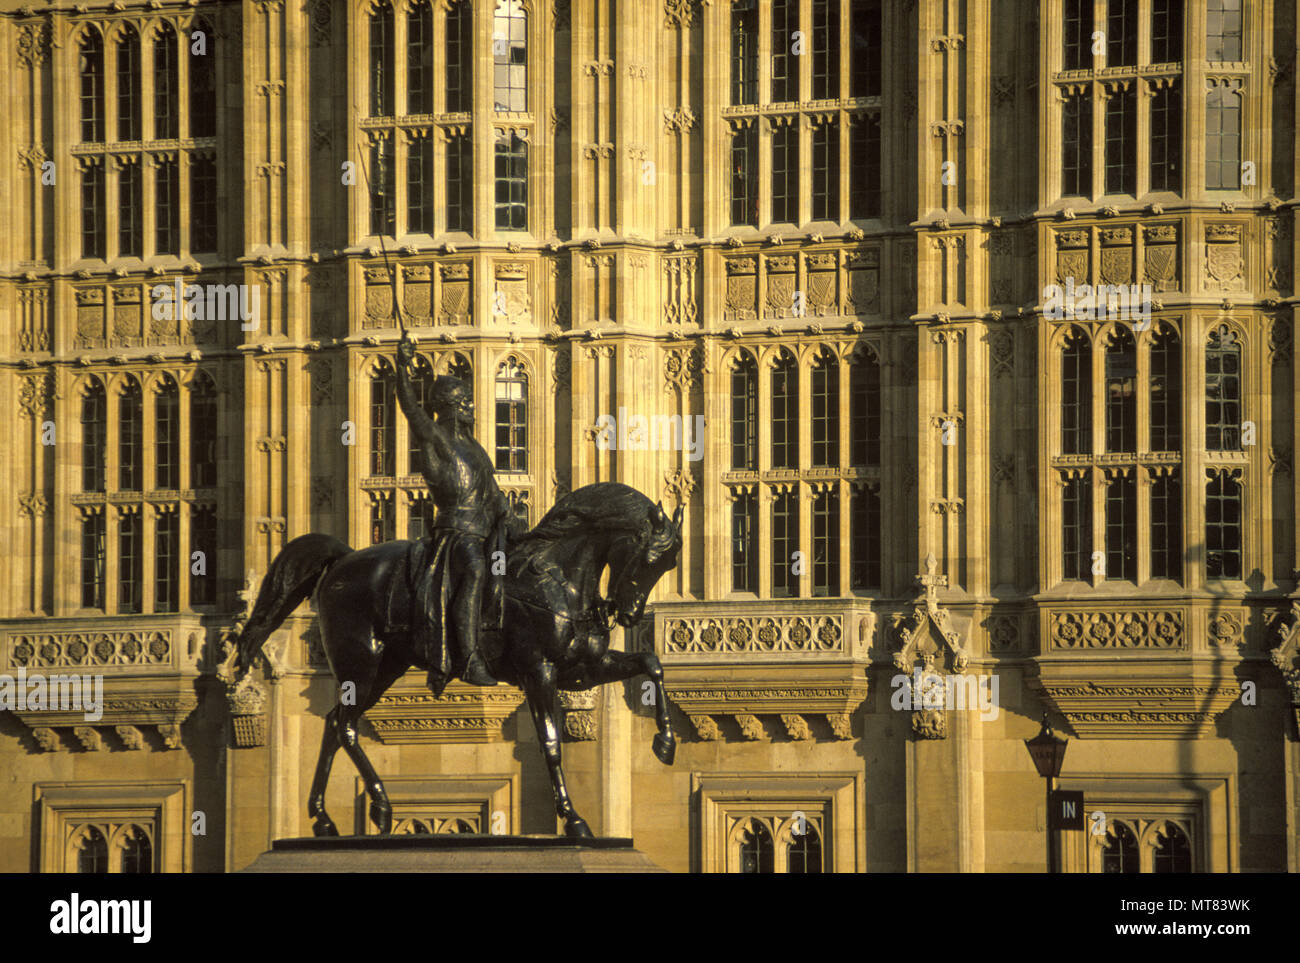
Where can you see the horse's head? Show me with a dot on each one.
(639, 560)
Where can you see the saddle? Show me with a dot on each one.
(402, 612)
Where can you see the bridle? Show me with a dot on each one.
(600, 614)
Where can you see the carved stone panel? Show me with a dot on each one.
(454, 296)
(780, 270)
(680, 294)
(1160, 256)
(379, 298)
(742, 289)
(417, 294)
(1072, 260)
(513, 300)
(90, 318)
(1224, 266)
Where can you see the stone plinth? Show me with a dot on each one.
(460, 853)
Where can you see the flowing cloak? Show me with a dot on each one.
(437, 576)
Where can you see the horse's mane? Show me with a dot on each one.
(604, 506)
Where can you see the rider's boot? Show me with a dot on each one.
(476, 671)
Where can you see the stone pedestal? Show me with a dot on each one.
(460, 853)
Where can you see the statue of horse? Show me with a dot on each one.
(555, 631)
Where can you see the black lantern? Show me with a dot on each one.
(1047, 749)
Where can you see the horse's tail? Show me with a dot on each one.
(290, 579)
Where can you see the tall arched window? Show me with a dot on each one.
(94, 432)
(865, 568)
(136, 851)
(94, 210)
(129, 105)
(826, 541)
(864, 409)
(744, 540)
(1166, 388)
(1223, 524)
(383, 420)
(511, 417)
(1121, 525)
(785, 541)
(203, 432)
(744, 413)
(92, 850)
(422, 384)
(785, 63)
(130, 561)
(1076, 394)
(381, 61)
(1223, 139)
(825, 411)
(804, 853)
(1120, 852)
(167, 434)
(459, 58)
(826, 50)
(203, 83)
(166, 561)
(785, 411)
(756, 848)
(167, 206)
(166, 84)
(1076, 518)
(419, 58)
(1173, 850)
(203, 538)
(130, 208)
(744, 52)
(92, 557)
(130, 432)
(1223, 391)
(510, 56)
(1121, 391)
(1166, 526)
(92, 86)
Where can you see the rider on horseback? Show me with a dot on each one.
(472, 521)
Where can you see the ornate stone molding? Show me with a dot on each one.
(805, 708)
(409, 714)
(1171, 706)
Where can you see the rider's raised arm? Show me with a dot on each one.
(426, 430)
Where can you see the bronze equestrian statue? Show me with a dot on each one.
(547, 627)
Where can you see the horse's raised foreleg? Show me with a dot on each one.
(329, 744)
(540, 690)
(615, 666)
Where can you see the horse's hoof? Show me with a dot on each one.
(665, 748)
(382, 817)
(324, 826)
(575, 827)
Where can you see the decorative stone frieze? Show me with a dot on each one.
(409, 714)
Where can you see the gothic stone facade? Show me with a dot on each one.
(825, 227)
